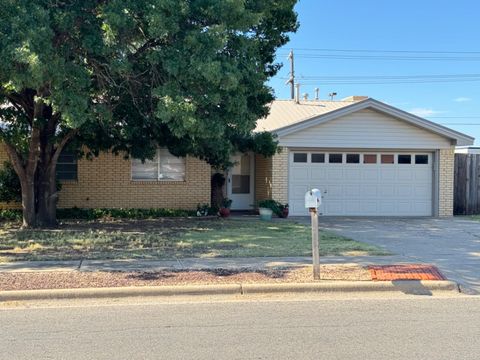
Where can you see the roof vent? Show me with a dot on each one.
(355, 98)
(317, 90)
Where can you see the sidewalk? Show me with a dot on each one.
(194, 263)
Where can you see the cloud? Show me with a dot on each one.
(424, 112)
(462, 99)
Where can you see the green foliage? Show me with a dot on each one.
(10, 215)
(134, 74)
(274, 205)
(10, 190)
(226, 203)
(94, 214)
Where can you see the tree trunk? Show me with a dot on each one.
(46, 197)
(28, 203)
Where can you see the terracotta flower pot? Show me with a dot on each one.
(224, 212)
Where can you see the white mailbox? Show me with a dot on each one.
(313, 198)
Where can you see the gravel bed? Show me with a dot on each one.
(77, 279)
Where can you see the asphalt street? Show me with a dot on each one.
(375, 328)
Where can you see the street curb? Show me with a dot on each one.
(413, 287)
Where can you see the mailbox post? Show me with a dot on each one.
(313, 199)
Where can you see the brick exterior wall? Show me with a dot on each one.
(280, 176)
(446, 181)
(263, 178)
(105, 182)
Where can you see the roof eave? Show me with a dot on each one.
(458, 138)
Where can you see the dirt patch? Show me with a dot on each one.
(77, 279)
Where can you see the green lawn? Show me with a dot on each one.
(170, 238)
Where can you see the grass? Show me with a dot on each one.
(171, 238)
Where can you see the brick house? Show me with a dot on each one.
(368, 159)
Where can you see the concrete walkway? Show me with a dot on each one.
(191, 263)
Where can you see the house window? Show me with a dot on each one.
(335, 158)
(421, 159)
(353, 158)
(163, 167)
(300, 157)
(318, 158)
(387, 159)
(404, 159)
(370, 159)
(67, 167)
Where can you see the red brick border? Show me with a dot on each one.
(405, 272)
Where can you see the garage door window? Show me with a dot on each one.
(353, 158)
(421, 159)
(387, 159)
(318, 158)
(335, 158)
(404, 159)
(370, 159)
(300, 157)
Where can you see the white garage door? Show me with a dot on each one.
(363, 183)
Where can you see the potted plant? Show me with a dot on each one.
(265, 209)
(283, 210)
(225, 207)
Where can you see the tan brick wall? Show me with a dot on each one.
(446, 183)
(280, 176)
(263, 178)
(104, 182)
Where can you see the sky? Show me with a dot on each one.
(428, 39)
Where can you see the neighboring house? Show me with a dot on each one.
(467, 150)
(367, 158)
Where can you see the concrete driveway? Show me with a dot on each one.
(452, 244)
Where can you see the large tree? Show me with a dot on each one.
(130, 75)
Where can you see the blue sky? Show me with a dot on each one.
(421, 25)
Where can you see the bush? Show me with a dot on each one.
(10, 215)
(94, 214)
(274, 205)
(10, 190)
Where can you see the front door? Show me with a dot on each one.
(240, 181)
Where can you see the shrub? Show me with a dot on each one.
(10, 215)
(10, 189)
(274, 205)
(94, 214)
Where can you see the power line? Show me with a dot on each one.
(388, 51)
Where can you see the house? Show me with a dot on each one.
(368, 159)
(467, 150)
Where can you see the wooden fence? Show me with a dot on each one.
(467, 184)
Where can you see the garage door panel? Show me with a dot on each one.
(318, 174)
(387, 174)
(334, 191)
(300, 174)
(334, 207)
(369, 207)
(404, 191)
(352, 191)
(369, 175)
(368, 190)
(406, 174)
(388, 189)
(351, 175)
(298, 191)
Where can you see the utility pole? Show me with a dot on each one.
(291, 80)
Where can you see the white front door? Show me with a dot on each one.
(240, 181)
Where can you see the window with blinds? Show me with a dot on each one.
(163, 167)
